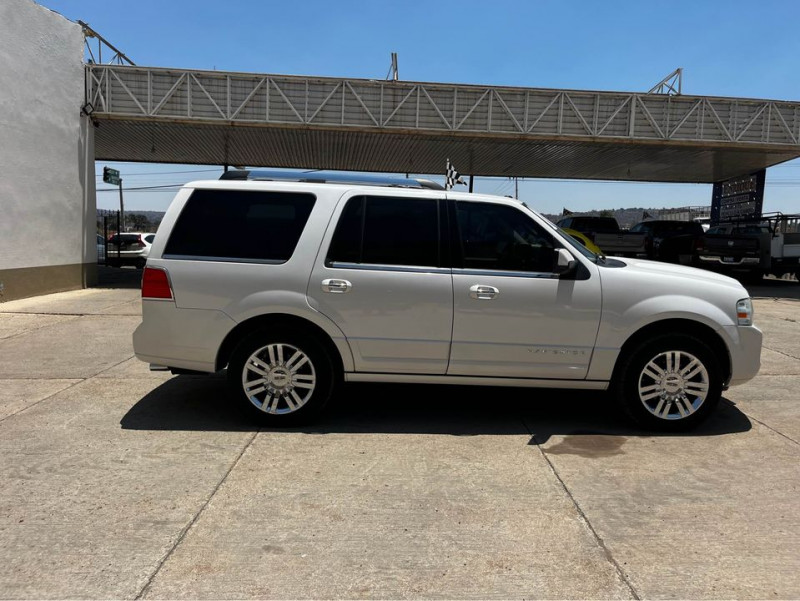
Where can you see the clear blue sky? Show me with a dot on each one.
(727, 48)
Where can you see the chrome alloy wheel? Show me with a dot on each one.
(673, 385)
(278, 378)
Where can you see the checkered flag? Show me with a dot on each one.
(452, 177)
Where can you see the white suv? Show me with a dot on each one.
(307, 284)
(131, 248)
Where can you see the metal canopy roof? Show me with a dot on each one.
(180, 116)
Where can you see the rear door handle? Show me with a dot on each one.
(336, 286)
(481, 292)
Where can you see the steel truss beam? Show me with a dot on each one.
(171, 95)
(93, 53)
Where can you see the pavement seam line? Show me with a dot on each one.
(40, 313)
(582, 516)
(146, 588)
(768, 427)
(36, 329)
(76, 314)
(780, 352)
(138, 298)
(50, 396)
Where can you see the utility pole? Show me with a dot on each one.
(111, 176)
(516, 188)
(121, 206)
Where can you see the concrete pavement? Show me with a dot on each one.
(122, 483)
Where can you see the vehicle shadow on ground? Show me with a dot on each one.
(118, 277)
(771, 287)
(201, 403)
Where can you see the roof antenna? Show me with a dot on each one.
(393, 74)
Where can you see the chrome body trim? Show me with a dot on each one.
(381, 267)
(475, 381)
(224, 259)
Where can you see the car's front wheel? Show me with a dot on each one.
(670, 383)
(281, 377)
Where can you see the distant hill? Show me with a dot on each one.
(625, 217)
(135, 221)
(151, 215)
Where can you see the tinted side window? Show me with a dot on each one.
(504, 238)
(346, 244)
(687, 227)
(605, 224)
(240, 225)
(387, 231)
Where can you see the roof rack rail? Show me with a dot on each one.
(322, 177)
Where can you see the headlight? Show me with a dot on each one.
(744, 312)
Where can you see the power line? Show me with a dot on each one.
(506, 185)
(166, 172)
(167, 186)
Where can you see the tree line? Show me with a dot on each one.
(135, 221)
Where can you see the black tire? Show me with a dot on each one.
(275, 410)
(629, 375)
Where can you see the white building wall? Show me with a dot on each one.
(47, 197)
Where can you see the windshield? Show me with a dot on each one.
(578, 245)
(574, 242)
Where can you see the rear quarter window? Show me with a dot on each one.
(240, 225)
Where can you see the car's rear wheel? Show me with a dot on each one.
(670, 383)
(280, 377)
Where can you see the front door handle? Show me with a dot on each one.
(336, 286)
(481, 292)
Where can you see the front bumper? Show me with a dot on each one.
(733, 262)
(744, 343)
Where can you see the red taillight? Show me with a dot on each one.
(155, 284)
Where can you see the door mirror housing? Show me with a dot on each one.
(565, 263)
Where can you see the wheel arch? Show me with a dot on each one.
(262, 322)
(689, 327)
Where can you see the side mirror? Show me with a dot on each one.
(565, 263)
